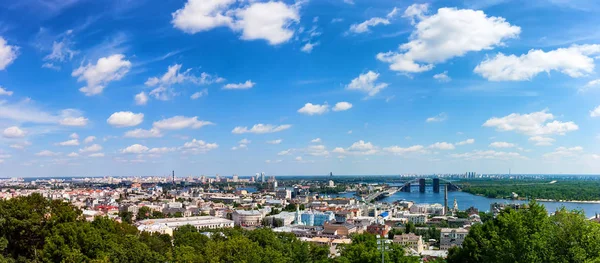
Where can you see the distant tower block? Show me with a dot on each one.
(422, 185)
(436, 185)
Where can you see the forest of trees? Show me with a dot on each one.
(531, 236)
(534, 189)
(35, 229)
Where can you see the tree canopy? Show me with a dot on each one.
(530, 235)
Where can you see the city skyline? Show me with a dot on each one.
(134, 88)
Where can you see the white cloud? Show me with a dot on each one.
(21, 145)
(541, 141)
(161, 150)
(200, 15)
(442, 146)
(198, 146)
(141, 133)
(442, 77)
(590, 85)
(447, 34)
(308, 47)
(174, 76)
(13, 132)
(91, 148)
(400, 150)
(96, 155)
(465, 142)
(342, 106)
(105, 70)
(47, 153)
(8, 53)
(439, 118)
(502, 145)
(317, 150)
(73, 142)
(416, 11)
(285, 152)
(61, 50)
(4, 92)
(364, 26)
(73, 154)
(261, 128)
(89, 139)
(278, 141)
(141, 98)
(74, 136)
(358, 148)
(488, 155)
(199, 94)
(135, 149)
(269, 21)
(259, 20)
(562, 152)
(245, 85)
(125, 119)
(317, 140)
(367, 83)
(273, 161)
(595, 112)
(313, 109)
(349, 132)
(244, 141)
(575, 61)
(535, 123)
(180, 122)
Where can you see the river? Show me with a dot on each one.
(466, 200)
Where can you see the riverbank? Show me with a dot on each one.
(542, 199)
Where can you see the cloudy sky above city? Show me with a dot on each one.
(122, 88)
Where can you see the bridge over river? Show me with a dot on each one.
(422, 182)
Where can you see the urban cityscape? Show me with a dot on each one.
(299, 131)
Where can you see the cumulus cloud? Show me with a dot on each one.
(308, 47)
(261, 128)
(358, 148)
(98, 75)
(285, 152)
(245, 85)
(72, 142)
(465, 142)
(372, 22)
(278, 141)
(541, 141)
(141, 98)
(180, 122)
(8, 53)
(438, 118)
(442, 77)
(442, 146)
(270, 21)
(89, 139)
(90, 149)
(198, 146)
(141, 133)
(404, 150)
(535, 123)
(574, 61)
(316, 140)
(342, 106)
(125, 119)
(4, 92)
(563, 152)
(595, 112)
(592, 84)
(447, 34)
(313, 109)
(367, 83)
(13, 132)
(135, 149)
(502, 145)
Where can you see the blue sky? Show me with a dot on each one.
(121, 88)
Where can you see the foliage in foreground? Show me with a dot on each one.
(530, 235)
(35, 229)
